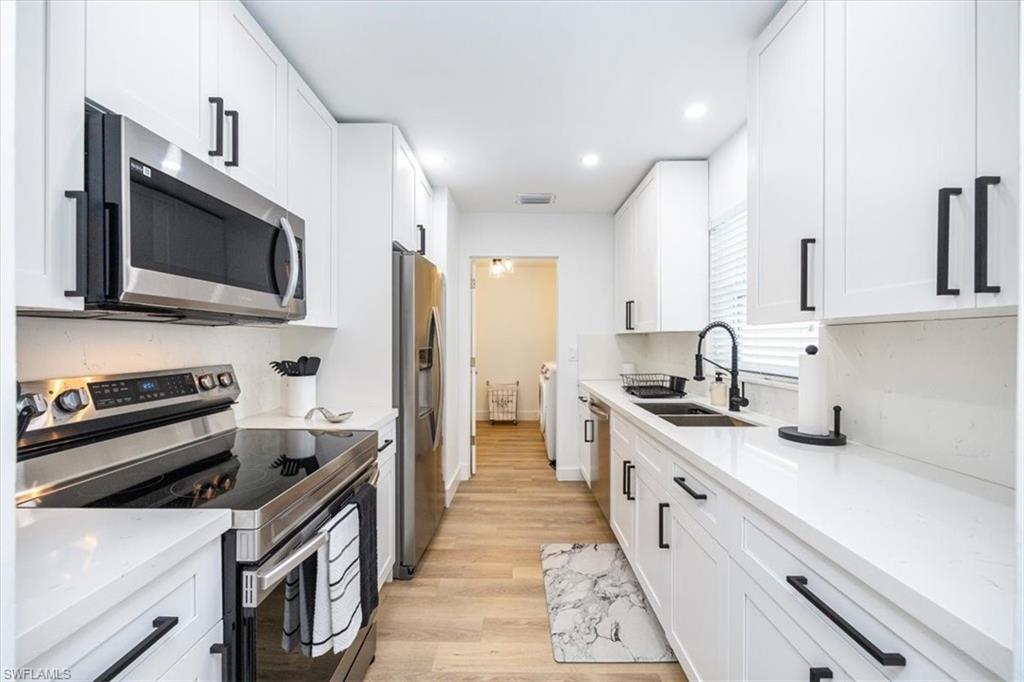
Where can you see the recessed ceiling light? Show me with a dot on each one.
(590, 160)
(695, 110)
(433, 160)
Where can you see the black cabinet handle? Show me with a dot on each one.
(625, 477)
(662, 506)
(681, 482)
(588, 438)
(629, 315)
(942, 265)
(218, 147)
(819, 674)
(81, 240)
(385, 446)
(804, 274)
(423, 239)
(629, 483)
(799, 583)
(224, 651)
(161, 626)
(233, 115)
(981, 185)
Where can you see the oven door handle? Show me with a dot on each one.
(257, 584)
(293, 262)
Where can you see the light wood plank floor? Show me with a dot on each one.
(476, 609)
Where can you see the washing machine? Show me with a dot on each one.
(546, 403)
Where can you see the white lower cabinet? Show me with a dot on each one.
(203, 662)
(651, 555)
(698, 629)
(766, 643)
(386, 502)
(585, 431)
(621, 501)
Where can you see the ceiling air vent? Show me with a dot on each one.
(535, 198)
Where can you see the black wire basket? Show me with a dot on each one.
(654, 385)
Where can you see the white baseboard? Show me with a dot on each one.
(568, 474)
(452, 486)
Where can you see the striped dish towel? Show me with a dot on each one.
(322, 597)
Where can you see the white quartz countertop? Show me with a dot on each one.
(938, 544)
(363, 418)
(74, 564)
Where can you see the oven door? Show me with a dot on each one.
(193, 238)
(263, 658)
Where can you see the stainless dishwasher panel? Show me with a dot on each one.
(601, 457)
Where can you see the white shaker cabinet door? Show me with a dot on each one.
(50, 151)
(312, 161)
(786, 190)
(998, 149)
(403, 214)
(621, 500)
(253, 80)
(386, 517)
(646, 272)
(424, 217)
(900, 142)
(700, 598)
(651, 553)
(625, 252)
(156, 63)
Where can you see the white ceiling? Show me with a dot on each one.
(513, 94)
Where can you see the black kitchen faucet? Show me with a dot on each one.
(736, 398)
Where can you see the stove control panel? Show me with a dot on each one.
(127, 398)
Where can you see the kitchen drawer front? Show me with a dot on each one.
(189, 591)
(200, 664)
(653, 456)
(623, 434)
(707, 510)
(387, 433)
(795, 574)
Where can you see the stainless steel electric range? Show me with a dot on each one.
(168, 439)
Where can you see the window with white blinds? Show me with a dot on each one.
(767, 348)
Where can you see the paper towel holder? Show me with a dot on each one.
(834, 437)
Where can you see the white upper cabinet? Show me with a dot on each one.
(156, 63)
(901, 145)
(403, 224)
(50, 150)
(888, 134)
(253, 80)
(424, 216)
(661, 251)
(786, 156)
(312, 175)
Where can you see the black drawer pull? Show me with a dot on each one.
(625, 477)
(629, 483)
(942, 266)
(681, 482)
(804, 274)
(224, 651)
(662, 506)
(161, 626)
(588, 436)
(981, 186)
(218, 147)
(799, 583)
(385, 446)
(233, 115)
(629, 315)
(819, 674)
(423, 240)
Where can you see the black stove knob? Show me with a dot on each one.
(225, 379)
(72, 400)
(207, 382)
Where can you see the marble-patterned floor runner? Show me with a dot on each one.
(596, 609)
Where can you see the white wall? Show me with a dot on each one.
(51, 347)
(516, 330)
(446, 221)
(727, 176)
(582, 243)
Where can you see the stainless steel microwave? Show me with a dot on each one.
(166, 236)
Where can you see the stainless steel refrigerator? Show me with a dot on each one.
(419, 397)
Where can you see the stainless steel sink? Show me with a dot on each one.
(712, 419)
(675, 408)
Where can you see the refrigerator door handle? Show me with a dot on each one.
(435, 316)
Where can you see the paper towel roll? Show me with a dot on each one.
(812, 401)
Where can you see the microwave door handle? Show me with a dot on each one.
(293, 263)
(256, 585)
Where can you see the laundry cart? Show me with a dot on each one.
(503, 402)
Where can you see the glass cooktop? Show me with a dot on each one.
(242, 470)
